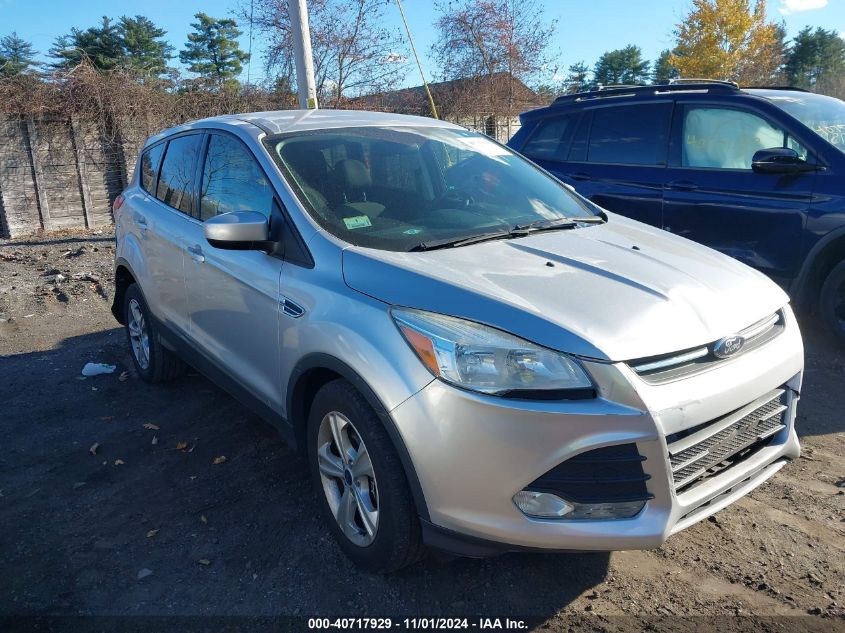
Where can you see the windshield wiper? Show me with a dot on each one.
(462, 241)
(557, 223)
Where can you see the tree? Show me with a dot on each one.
(212, 49)
(815, 59)
(663, 70)
(144, 51)
(728, 39)
(100, 45)
(492, 42)
(577, 79)
(622, 66)
(16, 55)
(353, 53)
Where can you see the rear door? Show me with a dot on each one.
(162, 220)
(614, 155)
(233, 295)
(714, 197)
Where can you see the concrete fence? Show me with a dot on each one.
(60, 173)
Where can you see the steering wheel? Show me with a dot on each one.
(460, 197)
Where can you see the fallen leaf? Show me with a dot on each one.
(203, 519)
(181, 446)
(124, 376)
(94, 447)
(107, 418)
(155, 440)
(152, 533)
(151, 427)
(204, 561)
(144, 573)
(219, 460)
(119, 462)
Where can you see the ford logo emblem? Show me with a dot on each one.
(728, 346)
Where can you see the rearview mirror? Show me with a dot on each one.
(237, 230)
(779, 160)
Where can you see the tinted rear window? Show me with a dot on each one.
(630, 135)
(552, 137)
(150, 161)
(176, 182)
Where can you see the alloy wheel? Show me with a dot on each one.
(138, 334)
(348, 478)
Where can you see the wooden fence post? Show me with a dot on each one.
(40, 192)
(82, 170)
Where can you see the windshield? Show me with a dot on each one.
(394, 188)
(823, 115)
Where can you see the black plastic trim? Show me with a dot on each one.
(458, 544)
(326, 361)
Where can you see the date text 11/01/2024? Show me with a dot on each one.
(492, 624)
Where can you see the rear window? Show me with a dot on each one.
(552, 137)
(630, 135)
(176, 181)
(150, 160)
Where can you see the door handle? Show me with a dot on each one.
(580, 176)
(681, 185)
(196, 253)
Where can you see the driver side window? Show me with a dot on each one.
(725, 138)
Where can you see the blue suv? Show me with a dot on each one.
(754, 173)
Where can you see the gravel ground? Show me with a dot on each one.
(111, 502)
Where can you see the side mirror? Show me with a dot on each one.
(238, 230)
(779, 160)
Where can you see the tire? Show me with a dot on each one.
(153, 362)
(832, 304)
(378, 488)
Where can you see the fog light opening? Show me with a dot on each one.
(546, 505)
(541, 504)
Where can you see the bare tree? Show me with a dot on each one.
(493, 41)
(353, 53)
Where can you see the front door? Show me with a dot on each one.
(233, 295)
(713, 196)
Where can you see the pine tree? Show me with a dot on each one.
(143, 49)
(622, 66)
(16, 55)
(212, 49)
(815, 58)
(101, 46)
(664, 71)
(577, 78)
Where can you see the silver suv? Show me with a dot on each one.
(470, 355)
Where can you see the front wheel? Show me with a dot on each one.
(360, 481)
(832, 302)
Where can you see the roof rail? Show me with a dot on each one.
(618, 86)
(792, 88)
(685, 80)
(607, 92)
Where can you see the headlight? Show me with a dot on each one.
(481, 358)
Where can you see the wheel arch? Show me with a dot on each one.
(317, 369)
(124, 277)
(822, 258)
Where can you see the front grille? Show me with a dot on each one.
(612, 474)
(666, 367)
(715, 446)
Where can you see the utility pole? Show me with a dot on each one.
(302, 51)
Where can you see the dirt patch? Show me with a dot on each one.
(148, 524)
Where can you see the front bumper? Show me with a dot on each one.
(472, 452)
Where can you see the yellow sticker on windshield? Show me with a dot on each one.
(358, 222)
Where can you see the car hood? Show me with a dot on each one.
(616, 291)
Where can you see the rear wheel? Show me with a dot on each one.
(361, 483)
(832, 302)
(153, 361)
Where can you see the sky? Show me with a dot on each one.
(585, 29)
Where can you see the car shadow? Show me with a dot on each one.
(122, 484)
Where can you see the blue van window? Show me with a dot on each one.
(727, 138)
(552, 137)
(630, 135)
